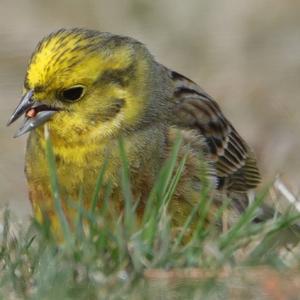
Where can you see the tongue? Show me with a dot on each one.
(31, 113)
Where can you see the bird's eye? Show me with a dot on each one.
(72, 94)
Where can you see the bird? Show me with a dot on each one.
(90, 89)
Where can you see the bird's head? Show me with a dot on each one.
(86, 82)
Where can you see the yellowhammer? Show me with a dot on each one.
(92, 88)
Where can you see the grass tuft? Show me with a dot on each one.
(107, 256)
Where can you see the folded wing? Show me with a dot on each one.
(193, 108)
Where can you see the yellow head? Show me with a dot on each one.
(88, 82)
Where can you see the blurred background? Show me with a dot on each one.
(246, 54)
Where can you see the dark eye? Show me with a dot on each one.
(72, 94)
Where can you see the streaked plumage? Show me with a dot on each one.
(235, 163)
(125, 93)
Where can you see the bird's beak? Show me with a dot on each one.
(36, 113)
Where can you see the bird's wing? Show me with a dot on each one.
(193, 108)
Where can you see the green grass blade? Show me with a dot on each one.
(129, 214)
(55, 187)
(245, 218)
(99, 185)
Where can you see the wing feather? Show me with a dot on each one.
(194, 108)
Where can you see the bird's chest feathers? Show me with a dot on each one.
(77, 166)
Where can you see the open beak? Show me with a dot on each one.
(36, 113)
